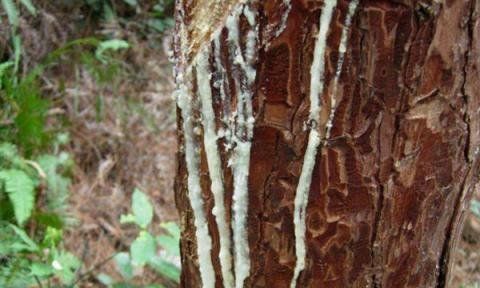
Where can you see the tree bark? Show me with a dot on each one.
(325, 143)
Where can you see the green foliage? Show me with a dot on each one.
(27, 262)
(12, 12)
(30, 113)
(57, 170)
(32, 257)
(143, 248)
(142, 210)
(110, 45)
(29, 5)
(35, 174)
(124, 265)
(17, 182)
(13, 15)
(160, 20)
(154, 18)
(146, 250)
(21, 191)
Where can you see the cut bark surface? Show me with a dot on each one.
(391, 178)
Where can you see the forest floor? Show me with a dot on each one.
(132, 146)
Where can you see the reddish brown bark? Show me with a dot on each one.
(391, 185)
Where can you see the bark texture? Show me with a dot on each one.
(393, 176)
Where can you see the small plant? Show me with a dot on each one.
(159, 253)
(30, 260)
(159, 18)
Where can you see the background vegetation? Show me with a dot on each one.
(87, 143)
(70, 78)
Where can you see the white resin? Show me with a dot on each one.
(192, 158)
(214, 164)
(243, 132)
(285, 15)
(352, 7)
(241, 167)
(316, 89)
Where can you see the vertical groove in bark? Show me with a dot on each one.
(315, 138)
(471, 79)
(398, 140)
(214, 165)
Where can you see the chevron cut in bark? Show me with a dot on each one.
(326, 143)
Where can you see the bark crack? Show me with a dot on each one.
(444, 260)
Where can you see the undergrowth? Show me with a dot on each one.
(36, 171)
(160, 253)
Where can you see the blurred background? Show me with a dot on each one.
(87, 148)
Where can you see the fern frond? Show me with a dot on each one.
(8, 151)
(12, 12)
(30, 7)
(57, 184)
(20, 189)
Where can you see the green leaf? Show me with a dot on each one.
(41, 269)
(65, 266)
(12, 12)
(30, 121)
(126, 219)
(108, 12)
(124, 266)
(8, 151)
(160, 25)
(105, 279)
(110, 45)
(4, 67)
(30, 7)
(170, 244)
(143, 249)
(52, 237)
(57, 185)
(142, 209)
(21, 192)
(48, 219)
(30, 244)
(165, 268)
(132, 3)
(17, 52)
(62, 138)
(172, 228)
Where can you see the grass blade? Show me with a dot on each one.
(12, 12)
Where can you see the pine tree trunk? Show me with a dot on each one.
(325, 143)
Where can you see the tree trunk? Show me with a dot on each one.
(325, 143)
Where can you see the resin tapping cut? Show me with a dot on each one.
(214, 163)
(316, 89)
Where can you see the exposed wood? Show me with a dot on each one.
(372, 108)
